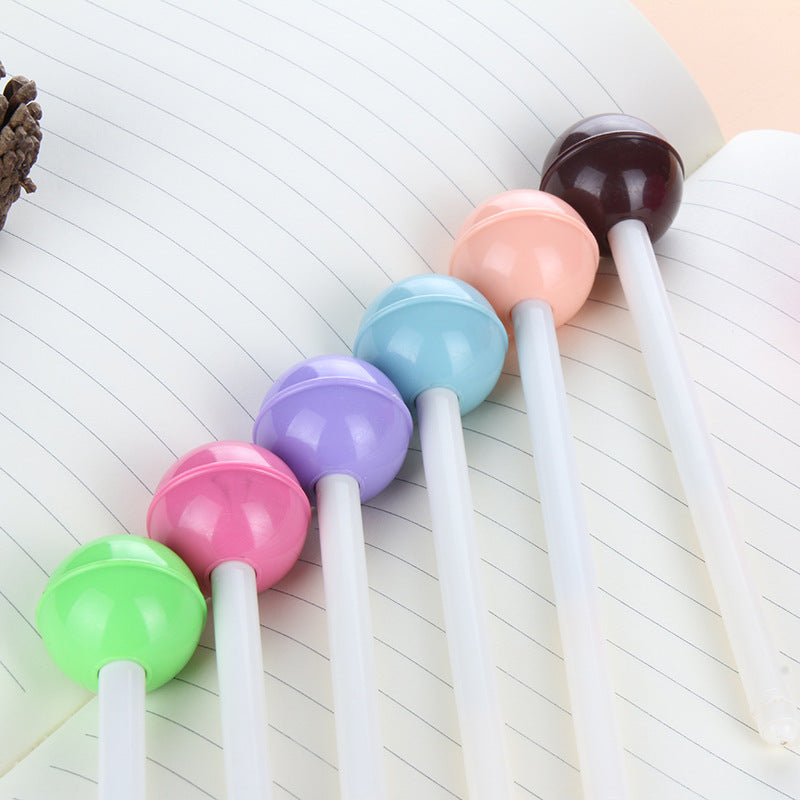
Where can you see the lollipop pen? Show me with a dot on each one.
(121, 615)
(344, 430)
(238, 517)
(535, 260)
(626, 181)
(443, 347)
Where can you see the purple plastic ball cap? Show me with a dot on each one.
(336, 415)
(231, 501)
(613, 167)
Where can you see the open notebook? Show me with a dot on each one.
(222, 189)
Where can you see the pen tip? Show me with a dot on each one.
(778, 723)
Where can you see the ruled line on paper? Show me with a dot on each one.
(142, 265)
(728, 763)
(92, 378)
(331, 85)
(67, 469)
(124, 353)
(253, 162)
(750, 221)
(450, 131)
(3, 664)
(753, 189)
(59, 461)
(228, 189)
(18, 544)
(508, 45)
(74, 774)
(739, 251)
(36, 500)
(445, 41)
(187, 728)
(183, 778)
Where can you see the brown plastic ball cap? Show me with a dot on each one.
(612, 167)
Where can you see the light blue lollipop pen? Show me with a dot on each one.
(442, 345)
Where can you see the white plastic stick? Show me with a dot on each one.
(483, 736)
(240, 670)
(121, 750)
(600, 752)
(355, 688)
(722, 544)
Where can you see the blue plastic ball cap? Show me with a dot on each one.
(434, 331)
(336, 415)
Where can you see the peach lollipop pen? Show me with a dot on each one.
(626, 181)
(534, 259)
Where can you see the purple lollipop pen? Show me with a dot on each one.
(342, 427)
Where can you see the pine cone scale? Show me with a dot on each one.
(20, 136)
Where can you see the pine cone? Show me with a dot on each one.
(20, 135)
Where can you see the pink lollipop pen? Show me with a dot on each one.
(534, 259)
(237, 516)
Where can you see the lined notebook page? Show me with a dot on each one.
(221, 191)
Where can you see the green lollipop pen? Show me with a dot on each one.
(121, 615)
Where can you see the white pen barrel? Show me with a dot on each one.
(121, 748)
(355, 689)
(483, 736)
(240, 670)
(722, 544)
(599, 744)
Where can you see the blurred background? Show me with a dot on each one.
(745, 56)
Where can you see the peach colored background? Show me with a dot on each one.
(745, 56)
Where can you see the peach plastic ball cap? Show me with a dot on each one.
(526, 244)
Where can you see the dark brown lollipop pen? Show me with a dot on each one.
(626, 181)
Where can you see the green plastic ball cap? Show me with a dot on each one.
(119, 598)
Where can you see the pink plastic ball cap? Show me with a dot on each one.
(527, 245)
(231, 501)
